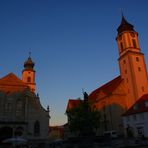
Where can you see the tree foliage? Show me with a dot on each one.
(83, 119)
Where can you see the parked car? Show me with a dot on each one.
(111, 134)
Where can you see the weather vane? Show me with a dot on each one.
(30, 52)
(121, 11)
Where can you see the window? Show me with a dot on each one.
(140, 130)
(146, 103)
(128, 118)
(134, 117)
(132, 34)
(124, 61)
(121, 44)
(137, 59)
(142, 116)
(125, 71)
(36, 128)
(142, 88)
(139, 68)
(134, 43)
(120, 37)
(28, 79)
(136, 106)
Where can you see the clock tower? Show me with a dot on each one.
(131, 62)
(28, 74)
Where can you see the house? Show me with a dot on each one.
(135, 119)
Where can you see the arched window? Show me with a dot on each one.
(19, 108)
(134, 43)
(121, 45)
(124, 61)
(137, 59)
(36, 128)
(139, 68)
(28, 79)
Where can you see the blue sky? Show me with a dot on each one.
(72, 43)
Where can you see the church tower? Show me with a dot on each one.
(131, 62)
(28, 73)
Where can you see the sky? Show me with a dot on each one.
(72, 42)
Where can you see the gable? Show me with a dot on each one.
(11, 79)
(140, 106)
(11, 83)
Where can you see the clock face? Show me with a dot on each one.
(132, 34)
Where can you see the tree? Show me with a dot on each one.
(83, 118)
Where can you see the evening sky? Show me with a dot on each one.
(72, 44)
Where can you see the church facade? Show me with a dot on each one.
(21, 113)
(116, 96)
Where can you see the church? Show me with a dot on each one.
(116, 96)
(21, 113)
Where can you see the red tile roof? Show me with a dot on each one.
(73, 104)
(140, 106)
(107, 88)
(11, 83)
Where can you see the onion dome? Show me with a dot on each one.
(29, 64)
(125, 26)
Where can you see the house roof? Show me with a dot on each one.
(11, 83)
(72, 104)
(139, 106)
(107, 88)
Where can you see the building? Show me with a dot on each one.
(135, 119)
(119, 94)
(72, 103)
(21, 113)
(56, 133)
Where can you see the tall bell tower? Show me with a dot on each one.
(131, 62)
(28, 73)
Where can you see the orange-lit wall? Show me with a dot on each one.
(132, 66)
(31, 74)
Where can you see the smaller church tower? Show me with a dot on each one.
(131, 62)
(28, 73)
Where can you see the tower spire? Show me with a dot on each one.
(121, 11)
(29, 64)
(29, 53)
(124, 25)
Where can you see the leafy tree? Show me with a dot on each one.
(83, 119)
